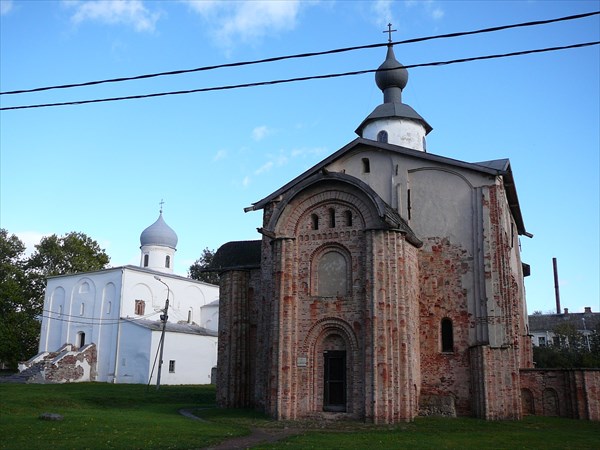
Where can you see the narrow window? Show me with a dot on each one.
(60, 310)
(366, 165)
(146, 260)
(172, 366)
(382, 136)
(140, 307)
(424, 144)
(314, 219)
(348, 216)
(331, 218)
(396, 169)
(108, 307)
(81, 339)
(408, 206)
(447, 337)
(190, 316)
(82, 309)
(168, 262)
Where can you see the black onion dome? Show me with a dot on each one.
(391, 73)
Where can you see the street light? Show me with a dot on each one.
(164, 319)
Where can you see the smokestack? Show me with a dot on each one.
(556, 288)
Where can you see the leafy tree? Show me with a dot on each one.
(23, 280)
(19, 326)
(72, 253)
(570, 350)
(196, 270)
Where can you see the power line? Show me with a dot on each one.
(292, 80)
(306, 55)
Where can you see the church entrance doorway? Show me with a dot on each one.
(334, 381)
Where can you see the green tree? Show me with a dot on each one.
(72, 253)
(23, 280)
(570, 349)
(19, 326)
(197, 272)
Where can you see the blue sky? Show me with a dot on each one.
(103, 168)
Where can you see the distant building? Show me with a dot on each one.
(542, 326)
(106, 325)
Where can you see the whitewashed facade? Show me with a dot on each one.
(119, 310)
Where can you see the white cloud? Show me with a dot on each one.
(6, 6)
(264, 168)
(126, 12)
(310, 151)
(30, 239)
(382, 12)
(247, 21)
(432, 8)
(259, 133)
(221, 154)
(246, 181)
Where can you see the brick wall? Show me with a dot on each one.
(573, 393)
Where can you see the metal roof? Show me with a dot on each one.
(185, 328)
(499, 167)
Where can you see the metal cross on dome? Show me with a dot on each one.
(389, 31)
(161, 203)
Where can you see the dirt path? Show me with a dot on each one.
(257, 435)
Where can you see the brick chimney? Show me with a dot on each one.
(587, 310)
(566, 311)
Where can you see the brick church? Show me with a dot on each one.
(387, 283)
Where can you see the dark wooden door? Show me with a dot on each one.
(334, 398)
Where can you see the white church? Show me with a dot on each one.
(107, 325)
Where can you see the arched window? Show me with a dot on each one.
(331, 218)
(167, 261)
(140, 307)
(382, 136)
(348, 217)
(314, 220)
(80, 339)
(366, 165)
(332, 275)
(146, 260)
(447, 336)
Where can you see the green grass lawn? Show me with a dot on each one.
(102, 416)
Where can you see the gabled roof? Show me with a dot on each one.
(499, 167)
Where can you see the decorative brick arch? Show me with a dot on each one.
(320, 333)
(527, 402)
(550, 403)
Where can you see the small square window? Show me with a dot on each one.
(172, 366)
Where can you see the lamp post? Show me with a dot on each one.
(164, 318)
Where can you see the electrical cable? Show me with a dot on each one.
(307, 55)
(291, 80)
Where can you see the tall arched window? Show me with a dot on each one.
(314, 219)
(348, 216)
(382, 136)
(146, 260)
(80, 339)
(168, 261)
(447, 336)
(331, 218)
(332, 275)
